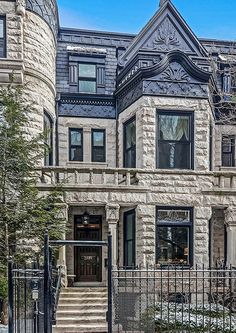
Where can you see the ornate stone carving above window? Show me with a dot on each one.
(175, 72)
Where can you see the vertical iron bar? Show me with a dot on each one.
(109, 283)
(46, 281)
(10, 297)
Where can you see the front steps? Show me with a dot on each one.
(82, 310)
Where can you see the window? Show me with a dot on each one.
(98, 146)
(87, 78)
(76, 144)
(2, 37)
(129, 239)
(174, 236)
(175, 148)
(48, 139)
(130, 144)
(228, 151)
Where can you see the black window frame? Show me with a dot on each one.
(3, 40)
(79, 130)
(133, 240)
(93, 147)
(49, 154)
(189, 225)
(232, 152)
(132, 148)
(189, 114)
(90, 79)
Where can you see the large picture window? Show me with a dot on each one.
(228, 150)
(129, 239)
(98, 145)
(175, 136)
(130, 144)
(87, 78)
(174, 236)
(76, 144)
(2, 36)
(48, 139)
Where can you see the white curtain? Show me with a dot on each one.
(174, 127)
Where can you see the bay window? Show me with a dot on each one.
(174, 236)
(130, 144)
(228, 150)
(175, 140)
(129, 238)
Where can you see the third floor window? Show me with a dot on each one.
(87, 78)
(2, 37)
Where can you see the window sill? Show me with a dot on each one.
(227, 168)
(87, 164)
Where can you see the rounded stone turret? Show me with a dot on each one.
(31, 39)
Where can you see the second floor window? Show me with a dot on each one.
(2, 37)
(98, 145)
(175, 146)
(130, 144)
(87, 78)
(228, 151)
(76, 144)
(48, 139)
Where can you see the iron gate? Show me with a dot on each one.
(26, 299)
(174, 299)
(32, 295)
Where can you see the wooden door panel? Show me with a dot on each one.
(88, 260)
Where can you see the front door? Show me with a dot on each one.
(88, 260)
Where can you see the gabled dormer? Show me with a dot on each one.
(165, 58)
(166, 31)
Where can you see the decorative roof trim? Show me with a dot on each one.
(158, 68)
(101, 100)
(86, 50)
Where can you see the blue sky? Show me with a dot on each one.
(207, 18)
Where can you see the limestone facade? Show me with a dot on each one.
(46, 64)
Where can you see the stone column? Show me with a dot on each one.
(62, 250)
(230, 220)
(112, 218)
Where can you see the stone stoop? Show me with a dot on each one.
(82, 310)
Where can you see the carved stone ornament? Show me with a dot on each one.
(20, 7)
(230, 216)
(167, 38)
(175, 72)
(112, 212)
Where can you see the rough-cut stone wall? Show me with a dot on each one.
(87, 124)
(221, 130)
(14, 27)
(31, 55)
(146, 109)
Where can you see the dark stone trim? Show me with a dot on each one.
(74, 105)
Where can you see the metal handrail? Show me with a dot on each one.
(57, 291)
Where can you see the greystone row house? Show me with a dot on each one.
(135, 132)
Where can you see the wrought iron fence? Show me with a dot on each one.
(26, 299)
(174, 299)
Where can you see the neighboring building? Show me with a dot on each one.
(135, 134)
